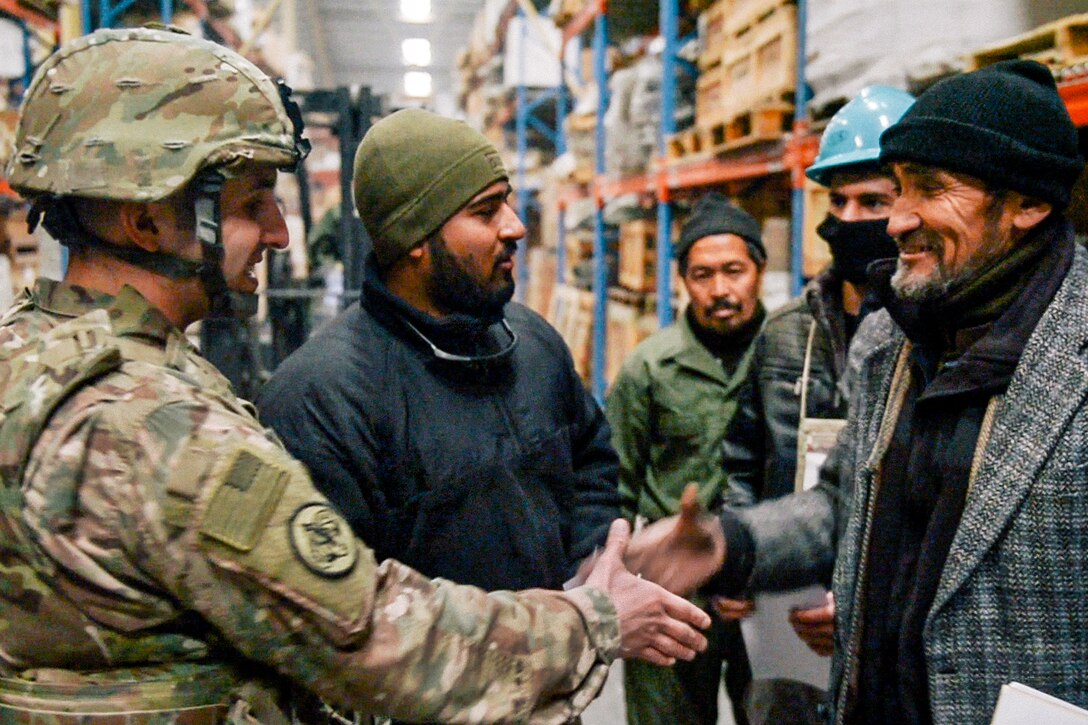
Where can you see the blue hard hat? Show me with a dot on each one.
(852, 135)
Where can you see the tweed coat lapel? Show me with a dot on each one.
(1048, 388)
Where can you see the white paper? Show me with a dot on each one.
(1022, 705)
(774, 649)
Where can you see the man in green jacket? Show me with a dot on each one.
(669, 409)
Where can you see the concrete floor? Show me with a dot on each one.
(608, 709)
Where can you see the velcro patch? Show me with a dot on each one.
(239, 511)
(299, 545)
(322, 540)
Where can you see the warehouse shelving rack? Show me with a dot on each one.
(791, 156)
(525, 117)
(110, 12)
(26, 18)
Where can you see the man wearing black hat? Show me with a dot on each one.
(669, 409)
(962, 554)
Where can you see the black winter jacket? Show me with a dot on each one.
(500, 476)
(760, 450)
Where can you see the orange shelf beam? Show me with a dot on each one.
(1075, 94)
(719, 171)
(607, 187)
(14, 9)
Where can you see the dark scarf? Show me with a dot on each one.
(967, 346)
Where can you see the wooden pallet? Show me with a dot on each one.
(628, 325)
(1058, 44)
(710, 100)
(637, 255)
(746, 14)
(766, 122)
(571, 313)
(712, 33)
(761, 65)
(684, 145)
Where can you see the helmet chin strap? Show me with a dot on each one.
(59, 218)
(224, 301)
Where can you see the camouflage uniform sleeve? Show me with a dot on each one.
(203, 510)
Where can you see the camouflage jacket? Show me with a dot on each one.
(157, 523)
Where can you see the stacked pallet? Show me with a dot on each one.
(1060, 44)
(638, 255)
(747, 77)
(571, 313)
(629, 323)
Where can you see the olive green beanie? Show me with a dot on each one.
(413, 171)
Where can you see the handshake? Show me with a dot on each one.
(671, 558)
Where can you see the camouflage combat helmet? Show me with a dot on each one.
(137, 114)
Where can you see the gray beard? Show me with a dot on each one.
(913, 289)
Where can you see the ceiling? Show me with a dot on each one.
(357, 42)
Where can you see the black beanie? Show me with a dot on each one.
(1004, 124)
(713, 214)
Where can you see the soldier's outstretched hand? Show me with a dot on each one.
(680, 552)
(655, 625)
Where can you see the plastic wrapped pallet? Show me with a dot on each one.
(620, 154)
(855, 43)
(632, 122)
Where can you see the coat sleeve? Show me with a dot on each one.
(596, 499)
(791, 541)
(628, 408)
(744, 447)
(206, 515)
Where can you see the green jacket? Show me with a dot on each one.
(669, 409)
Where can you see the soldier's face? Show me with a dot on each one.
(251, 222)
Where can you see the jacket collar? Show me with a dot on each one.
(457, 333)
(693, 354)
(824, 298)
(1047, 389)
(130, 312)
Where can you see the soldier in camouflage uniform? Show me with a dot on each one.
(162, 559)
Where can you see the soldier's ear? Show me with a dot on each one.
(140, 224)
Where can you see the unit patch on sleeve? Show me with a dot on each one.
(322, 540)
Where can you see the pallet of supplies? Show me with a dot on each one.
(637, 255)
(1059, 44)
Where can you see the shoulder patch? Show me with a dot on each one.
(322, 540)
(250, 487)
(260, 515)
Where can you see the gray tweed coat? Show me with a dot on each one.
(1012, 603)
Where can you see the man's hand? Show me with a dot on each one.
(732, 610)
(655, 625)
(816, 626)
(680, 552)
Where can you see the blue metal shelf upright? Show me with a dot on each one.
(524, 118)
(109, 12)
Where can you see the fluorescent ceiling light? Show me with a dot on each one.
(415, 11)
(416, 51)
(417, 84)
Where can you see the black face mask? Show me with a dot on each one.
(855, 245)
